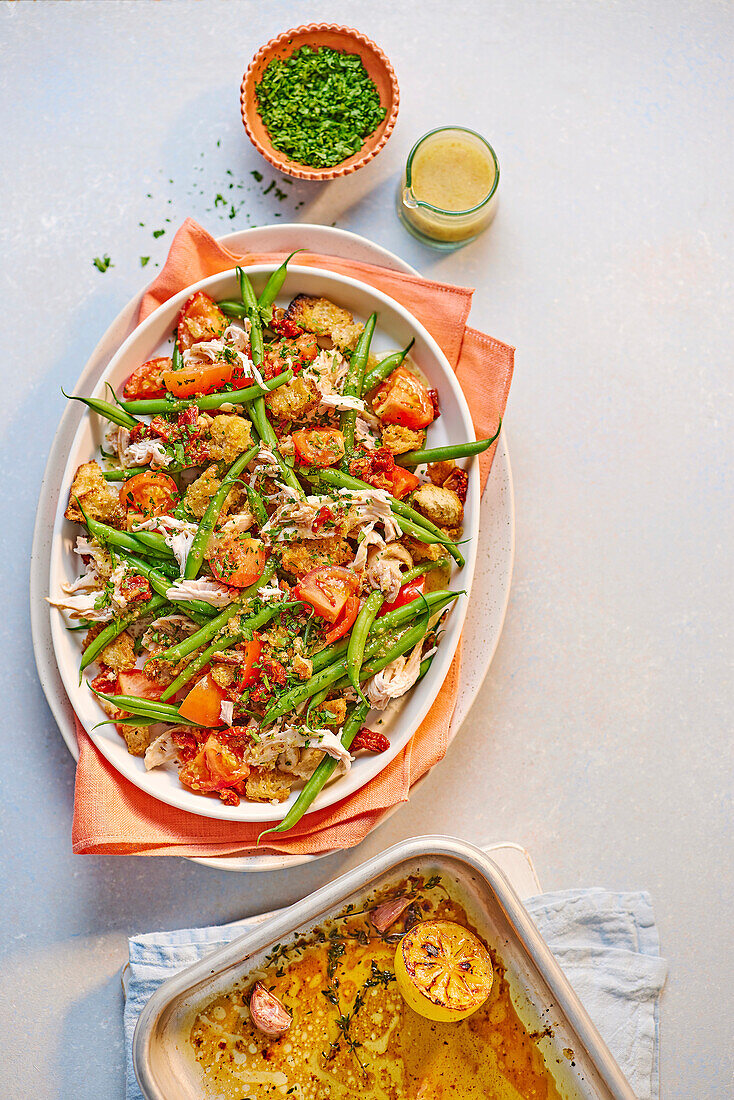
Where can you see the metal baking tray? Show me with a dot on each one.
(574, 1052)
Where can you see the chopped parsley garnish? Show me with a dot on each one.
(319, 105)
(103, 263)
(144, 260)
(158, 233)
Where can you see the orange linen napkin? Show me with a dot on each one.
(111, 815)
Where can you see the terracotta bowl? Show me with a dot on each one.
(337, 38)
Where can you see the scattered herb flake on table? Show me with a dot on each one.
(103, 263)
(319, 105)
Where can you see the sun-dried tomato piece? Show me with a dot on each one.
(433, 397)
(106, 682)
(375, 467)
(370, 740)
(135, 588)
(458, 480)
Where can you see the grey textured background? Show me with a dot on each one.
(601, 738)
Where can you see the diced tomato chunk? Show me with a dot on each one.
(403, 482)
(319, 446)
(200, 319)
(327, 590)
(136, 682)
(237, 560)
(217, 767)
(204, 702)
(404, 400)
(345, 622)
(407, 594)
(146, 381)
(289, 354)
(198, 378)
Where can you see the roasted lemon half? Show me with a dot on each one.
(443, 970)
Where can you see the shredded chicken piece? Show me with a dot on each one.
(142, 453)
(372, 504)
(384, 568)
(226, 711)
(368, 538)
(81, 606)
(343, 402)
(280, 738)
(395, 679)
(179, 535)
(234, 341)
(162, 749)
(238, 523)
(211, 592)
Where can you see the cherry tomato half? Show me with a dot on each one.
(146, 381)
(287, 354)
(319, 446)
(151, 493)
(403, 399)
(327, 590)
(200, 319)
(135, 682)
(237, 560)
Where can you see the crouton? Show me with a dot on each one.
(267, 786)
(294, 400)
(399, 440)
(302, 667)
(336, 709)
(439, 471)
(441, 506)
(322, 317)
(200, 492)
(223, 675)
(120, 654)
(137, 738)
(424, 551)
(98, 499)
(231, 436)
(299, 558)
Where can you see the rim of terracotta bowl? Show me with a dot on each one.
(280, 160)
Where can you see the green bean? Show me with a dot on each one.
(116, 627)
(198, 547)
(385, 368)
(257, 506)
(258, 414)
(273, 288)
(123, 540)
(230, 307)
(176, 356)
(249, 300)
(416, 525)
(123, 475)
(135, 704)
(154, 541)
(442, 454)
(315, 702)
(324, 770)
(253, 622)
(358, 637)
(161, 583)
(210, 400)
(291, 699)
(353, 384)
(177, 652)
(436, 601)
(105, 409)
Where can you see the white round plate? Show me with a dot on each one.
(495, 544)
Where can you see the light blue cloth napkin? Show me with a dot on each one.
(606, 943)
